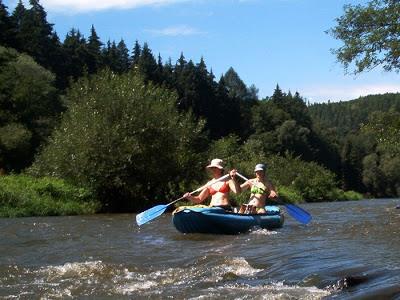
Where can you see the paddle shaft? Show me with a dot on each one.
(158, 210)
(201, 188)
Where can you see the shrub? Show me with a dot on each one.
(125, 140)
(22, 195)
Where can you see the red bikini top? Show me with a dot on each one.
(223, 189)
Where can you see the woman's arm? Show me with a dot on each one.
(245, 185)
(233, 184)
(272, 189)
(199, 198)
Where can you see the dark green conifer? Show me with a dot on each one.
(137, 51)
(7, 27)
(76, 52)
(94, 51)
(123, 57)
(147, 64)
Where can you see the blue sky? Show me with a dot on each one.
(267, 42)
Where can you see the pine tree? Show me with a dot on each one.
(278, 96)
(7, 28)
(94, 51)
(111, 56)
(123, 57)
(180, 64)
(17, 18)
(76, 52)
(168, 74)
(35, 33)
(235, 85)
(136, 52)
(147, 64)
(160, 70)
(35, 36)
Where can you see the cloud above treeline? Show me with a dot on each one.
(180, 30)
(344, 93)
(94, 5)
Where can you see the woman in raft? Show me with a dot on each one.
(261, 188)
(219, 191)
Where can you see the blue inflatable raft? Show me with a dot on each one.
(192, 219)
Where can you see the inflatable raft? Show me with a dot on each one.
(216, 220)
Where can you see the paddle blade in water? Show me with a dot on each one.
(298, 213)
(150, 214)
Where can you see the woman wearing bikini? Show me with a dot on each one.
(219, 191)
(260, 189)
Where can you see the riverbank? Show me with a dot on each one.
(25, 196)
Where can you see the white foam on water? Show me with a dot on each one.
(45, 225)
(217, 280)
(272, 291)
(260, 231)
(240, 267)
(128, 283)
(81, 269)
(129, 288)
(132, 282)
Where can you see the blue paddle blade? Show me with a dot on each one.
(150, 214)
(298, 213)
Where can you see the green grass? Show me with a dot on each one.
(22, 196)
(340, 195)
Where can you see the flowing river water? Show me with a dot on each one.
(350, 250)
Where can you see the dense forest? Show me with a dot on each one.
(135, 130)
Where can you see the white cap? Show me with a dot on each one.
(260, 167)
(216, 163)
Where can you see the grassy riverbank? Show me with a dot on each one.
(22, 196)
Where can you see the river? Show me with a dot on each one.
(350, 250)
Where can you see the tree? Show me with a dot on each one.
(123, 57)
(123, 138)
(29, 107)
(235, 85)
(147, 64)
(371, 36)
(94, 52)
(34, 33)
(7, 27)
(136, 52)
(385, 127)
(76, 52)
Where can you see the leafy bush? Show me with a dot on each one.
(296, 180)
(290, 195)
(125, 140)
(22, 195)
(29, 108)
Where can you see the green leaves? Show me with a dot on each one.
(29, 106)
(370, 35)
(124, 138)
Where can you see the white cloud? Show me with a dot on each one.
(180, 30)
(91, 5)
(343, 93)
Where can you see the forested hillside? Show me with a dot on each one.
(347, 116)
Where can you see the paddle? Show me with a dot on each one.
(158, 210)
(296, 212)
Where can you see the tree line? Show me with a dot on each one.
(126, 123)
(367, 134)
